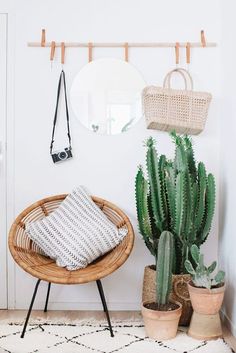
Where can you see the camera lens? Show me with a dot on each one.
(62, 155)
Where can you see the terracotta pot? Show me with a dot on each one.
(161, 325)
(205, 323)
(179, 292)
(205, 327)
(206, 301)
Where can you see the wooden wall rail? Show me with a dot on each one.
(122, 45)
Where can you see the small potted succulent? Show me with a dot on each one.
(206, 291)
(161, 318)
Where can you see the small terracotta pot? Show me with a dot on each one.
(161, 325)
(206, 301)
(178, 294)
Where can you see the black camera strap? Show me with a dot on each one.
(62, 80)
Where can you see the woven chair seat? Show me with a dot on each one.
(29, 257)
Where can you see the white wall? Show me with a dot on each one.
(3, 183)
(227, 239)
(106, 165)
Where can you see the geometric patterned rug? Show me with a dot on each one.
(94, 337)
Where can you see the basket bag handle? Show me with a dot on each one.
(176, 290)
(188, 81)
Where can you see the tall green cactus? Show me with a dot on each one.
(178, 196)
(164, 266)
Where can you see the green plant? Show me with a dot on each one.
(203, 276)
(178, 196)
(164, 267)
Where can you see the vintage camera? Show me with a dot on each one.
(62, 155)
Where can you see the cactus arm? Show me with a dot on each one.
(191, 188)
(190, 158)
(155, 185)
(155, 231)
(178, 256)
(180, 161)
(212, 267)
(192, 234)
(189, 206)
(141, 194)
(164, 267)
(189, 268)
(180, 204)
(200, 266)
(219, 277)
(161, 168)
(170, 192)
(210, 209)
(202, 180)
(170, 189)
(195, 253)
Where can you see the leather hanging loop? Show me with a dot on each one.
(90, 52)
(52, 51)
(43, 38)
(126, 51)
(188, 55)
(62, 53)
(203, 39)
(177, 53)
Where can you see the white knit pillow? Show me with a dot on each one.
(76, 233)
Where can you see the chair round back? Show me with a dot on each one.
(31, 259)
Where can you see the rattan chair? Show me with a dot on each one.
(29, 257)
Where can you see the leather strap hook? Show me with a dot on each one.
(52, 51)
(203, 39)
(62, 53)
(188, 55)
(90, 52)
(43, 38)
(177, 53)
(126, 51)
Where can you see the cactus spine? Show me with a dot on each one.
(178, 196)
(164, 267)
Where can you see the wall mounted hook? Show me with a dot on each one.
(52, 52)
(203, 39)
(188, 54)
(62, 53)
(90, 52)
(177, 53)
(43, 38)
(126, 51)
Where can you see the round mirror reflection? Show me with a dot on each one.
(106, 96)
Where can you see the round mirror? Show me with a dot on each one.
(106, 96)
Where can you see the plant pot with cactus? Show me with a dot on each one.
(176, 195)
(161, 317)
(207, 293)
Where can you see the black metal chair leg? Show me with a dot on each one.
(104, 304)
(48, 292)
(30, 308)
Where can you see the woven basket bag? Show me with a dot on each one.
(167, 109)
